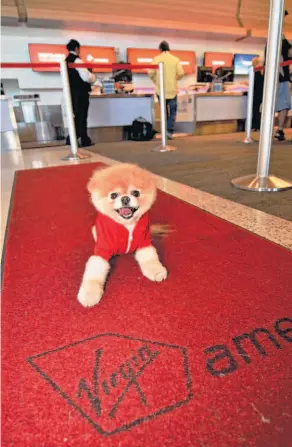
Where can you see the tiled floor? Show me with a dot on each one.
(209, 163)
(265, 225)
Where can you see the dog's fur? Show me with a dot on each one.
(123, 180)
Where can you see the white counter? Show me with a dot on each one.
(221, 107)
(9, 133)
(119, 110)
(206, 107)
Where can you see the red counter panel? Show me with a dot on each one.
(53, 53)
(218, 59)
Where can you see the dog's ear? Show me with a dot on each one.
(91, 185)
(94, 181)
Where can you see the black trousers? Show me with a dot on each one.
(256, 114)
(80, 105)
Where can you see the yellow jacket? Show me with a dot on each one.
(172, 72)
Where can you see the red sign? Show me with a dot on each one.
(142, 56)
(187, 60)
(89, 54)
(218, 60)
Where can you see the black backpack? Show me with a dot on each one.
(141, 130)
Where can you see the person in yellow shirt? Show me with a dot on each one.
(173, 71)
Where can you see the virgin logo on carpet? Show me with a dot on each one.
(127, 375)
(116, 382)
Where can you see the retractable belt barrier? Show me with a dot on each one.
(86, 65)
(75, 154)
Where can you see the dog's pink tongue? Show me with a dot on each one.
(125, 211)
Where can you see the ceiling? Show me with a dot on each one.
(232, 18)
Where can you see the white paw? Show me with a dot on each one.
(90, 293)
(154, 271)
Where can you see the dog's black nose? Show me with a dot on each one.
(125, 200)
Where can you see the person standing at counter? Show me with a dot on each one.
(123, 79)
(173, 71)
(120, 75)
(80, 81)
(283, 100)
(257, 95)
(222, 75)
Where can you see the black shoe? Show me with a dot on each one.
(87, 144)
(69, 144)
(280, 135)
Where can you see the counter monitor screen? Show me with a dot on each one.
(204, 74)
(225, 73)
(242, 62)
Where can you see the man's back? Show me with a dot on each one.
(77, 84)
(172, 72)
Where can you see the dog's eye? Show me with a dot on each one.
(114, 195)
(135, 193)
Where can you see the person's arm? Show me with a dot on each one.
(226, 76)
(289, 50)
(153, 73)
(85, 74)
(179, 70)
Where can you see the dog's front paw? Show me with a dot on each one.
(154, 271)
(90, 293)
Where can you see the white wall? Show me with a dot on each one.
(14, 48)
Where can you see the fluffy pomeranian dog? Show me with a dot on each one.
(122, 195)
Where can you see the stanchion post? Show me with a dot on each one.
(75, 155)
(248, 124)
(163, 124)
(262, 181)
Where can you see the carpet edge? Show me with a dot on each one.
(11, 201)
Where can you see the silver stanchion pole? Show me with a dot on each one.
(262, 181)
(75, 155)
(248, 138)
(163, 147)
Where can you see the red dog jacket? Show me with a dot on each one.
(113, 238)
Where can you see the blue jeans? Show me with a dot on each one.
(171, 110)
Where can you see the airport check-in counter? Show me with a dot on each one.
(119, 110)
(207, 113)
(9, 132)
(109, 114)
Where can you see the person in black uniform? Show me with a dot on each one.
(80, 80)
(257, 95)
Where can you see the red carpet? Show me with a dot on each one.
(201, 360)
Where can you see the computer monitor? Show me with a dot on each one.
(242, 62)
(225, 73)
(204, 74)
